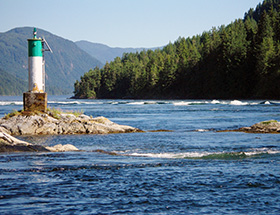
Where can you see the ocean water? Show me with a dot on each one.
(191, 170)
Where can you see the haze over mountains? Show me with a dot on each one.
(105, 53)
(68, 62)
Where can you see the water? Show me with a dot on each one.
(191, 170)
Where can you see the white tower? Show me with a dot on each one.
(36, 98)
(36, 63)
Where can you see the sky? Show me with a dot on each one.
(123, 23)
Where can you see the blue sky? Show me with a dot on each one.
(122, 23)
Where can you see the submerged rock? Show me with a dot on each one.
(62, 148)
(64, 123)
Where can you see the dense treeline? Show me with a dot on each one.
(241, 60)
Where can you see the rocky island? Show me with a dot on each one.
(53, 122)
(270, 126)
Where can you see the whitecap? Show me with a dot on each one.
(261, 151)
(265, 103)
(150, 102)
(181, 103)
(215, 101)
(92, 103)
(2, 103)
(254, 103)
(184, 103)
(237, 102)
(64, 103)
(201, 130)
(136, 103)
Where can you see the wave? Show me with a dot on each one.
(150, 102)
(217, 102)
(136, 103)
(65, 103)
(237, 102)
(183, 103)
(214, 102)
(209, 155)
(3, 103)
(74, 102)
(270, 103)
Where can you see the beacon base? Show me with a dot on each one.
(35, 101)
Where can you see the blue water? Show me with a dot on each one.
(192, 170)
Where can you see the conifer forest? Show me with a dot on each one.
(237, 61)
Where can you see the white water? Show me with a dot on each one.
(172, 155)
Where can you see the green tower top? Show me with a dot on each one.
(35, 48)
(34, 33)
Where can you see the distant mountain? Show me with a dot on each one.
(64, 66)
(105, 53)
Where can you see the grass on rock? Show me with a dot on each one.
(54, 112)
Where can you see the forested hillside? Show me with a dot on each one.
(67, 62)
(241, 60)
(11, 85)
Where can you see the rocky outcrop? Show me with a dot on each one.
(63, 123)
(271, 126)
(12, 144)
(52, 123)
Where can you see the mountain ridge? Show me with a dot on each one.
(65, 65)
(105, 53)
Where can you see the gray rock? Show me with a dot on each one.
(271, 126)
(46, 124)
(64, 123)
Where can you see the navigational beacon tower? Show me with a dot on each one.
(36, 98)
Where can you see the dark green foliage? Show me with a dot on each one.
(63, 66)
(241, 60)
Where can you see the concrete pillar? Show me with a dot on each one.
(35, 101)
